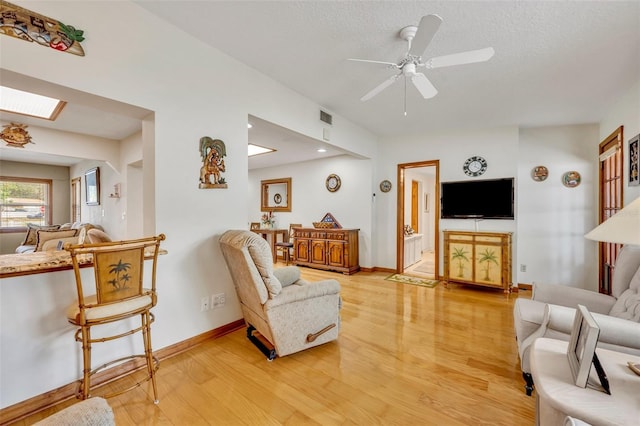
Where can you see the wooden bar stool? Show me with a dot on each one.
(286, 246)
(119, 294)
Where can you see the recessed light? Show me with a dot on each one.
(25, 103)
(256, 149)
(322, 150)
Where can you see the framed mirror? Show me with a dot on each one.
(276, 195)
(92, 186)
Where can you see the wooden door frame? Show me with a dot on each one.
(616, 138)
(400, 214)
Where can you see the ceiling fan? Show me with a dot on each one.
(418, 38)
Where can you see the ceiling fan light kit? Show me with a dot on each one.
(418, 39)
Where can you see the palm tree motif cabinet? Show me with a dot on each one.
(478, 258)
(333, 249)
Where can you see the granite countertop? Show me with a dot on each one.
(12, 265)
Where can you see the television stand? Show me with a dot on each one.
(478, 258)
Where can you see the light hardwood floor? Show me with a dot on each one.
(406, 355)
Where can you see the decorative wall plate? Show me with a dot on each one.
(385, 186)
(277, 198)
(333, 182)
(571, 179)
(539, 173)
(475, 166)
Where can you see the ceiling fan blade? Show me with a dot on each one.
(392, 64)
(427, 28)
(424, 86)
(470, 57)
(388, 82)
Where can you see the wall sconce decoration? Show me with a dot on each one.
(26, 25)
(116, 191)
(16, 135)
(212, 152)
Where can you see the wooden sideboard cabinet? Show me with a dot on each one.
(478, 258)
(330, 249)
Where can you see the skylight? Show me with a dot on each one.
(256, 149)
(25, 103)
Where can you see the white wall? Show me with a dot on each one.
(194, 91)
(625, 112)
(498, 146)
(351, 205)
(552, 219)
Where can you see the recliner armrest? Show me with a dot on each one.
(570, 296)
(294, 293)
(613, 330)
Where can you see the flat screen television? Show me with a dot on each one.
(478, 199)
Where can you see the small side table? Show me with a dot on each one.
(558, 396)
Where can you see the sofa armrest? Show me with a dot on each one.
(304, 291)
(571, 297)
(613, 330)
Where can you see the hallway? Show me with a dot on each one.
(425, 268)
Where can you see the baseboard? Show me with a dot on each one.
(378, 269)
(37, 403)
(521, 286)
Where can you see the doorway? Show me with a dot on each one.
(417, 246)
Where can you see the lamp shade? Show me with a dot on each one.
(621, 228)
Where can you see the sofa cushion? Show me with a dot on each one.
(95, 236)
(628, 304)
(42, 236)
(32, 229)
(627, 264)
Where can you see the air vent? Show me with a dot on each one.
(327, 118)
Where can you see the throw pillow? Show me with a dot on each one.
(51, 245)
(42, 236)
(31, 238)
(287, 275)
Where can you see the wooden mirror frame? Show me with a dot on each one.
(267, 202)
(92, 186)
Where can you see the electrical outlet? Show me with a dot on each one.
(217, 300)
(204, 304)
(523, 268)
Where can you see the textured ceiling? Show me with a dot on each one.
(555, 62)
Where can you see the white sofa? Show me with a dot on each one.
(47, 237)
(618, 315)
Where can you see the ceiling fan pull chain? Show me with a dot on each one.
(405, 96)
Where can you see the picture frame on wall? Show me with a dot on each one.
(92, 186)
(634, 161)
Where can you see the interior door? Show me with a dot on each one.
(414, 206)
(611, 202)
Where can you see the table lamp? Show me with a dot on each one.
(621, 228)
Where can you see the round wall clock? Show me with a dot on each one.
(385, 186)
(333, 182)
(474, 166)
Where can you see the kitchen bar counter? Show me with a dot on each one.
(14, 265)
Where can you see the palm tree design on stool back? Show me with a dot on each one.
(118, 274)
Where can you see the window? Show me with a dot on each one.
(22, 201)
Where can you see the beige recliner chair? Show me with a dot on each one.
(290, 313)
(551, 309)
